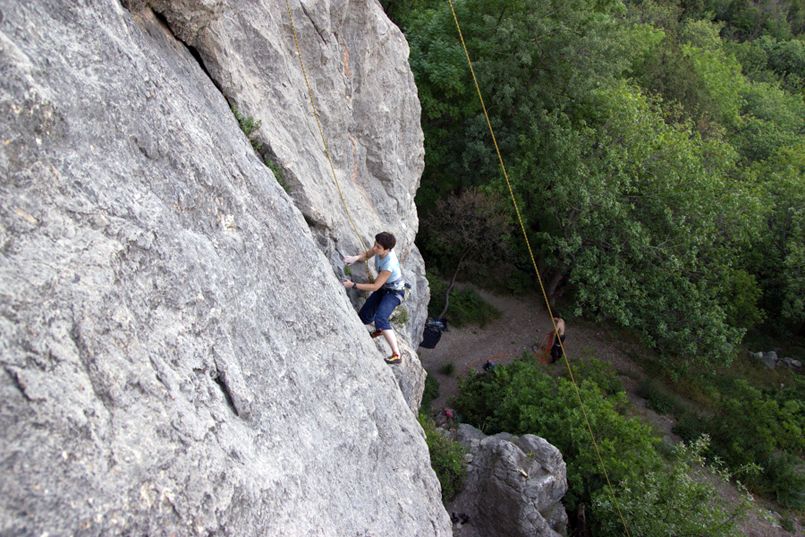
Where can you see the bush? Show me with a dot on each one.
(430, 393)
(669, 501)
(600, 372)
(520, 398)
(689, 426)
(657, 499)
(784, 480)
(249, 126)
(466, 306)
(400, 316)
(657, 398)
(446, 458)
(447, 369)
(747, 427)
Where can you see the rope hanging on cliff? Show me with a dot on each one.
(315, 114)
(536, 269)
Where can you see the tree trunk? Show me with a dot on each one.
(452, 284)
(553, 285)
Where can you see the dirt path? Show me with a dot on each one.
(522, 325)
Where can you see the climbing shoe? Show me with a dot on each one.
(393, 359)
(376, 333)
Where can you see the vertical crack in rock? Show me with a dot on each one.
(190, 48)
(219, 377)
(313, 22)
(15, 380)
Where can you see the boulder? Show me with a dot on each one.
(514, 487)
(769, 359)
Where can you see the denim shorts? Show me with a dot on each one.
(379, 306)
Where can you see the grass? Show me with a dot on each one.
(279, 175)
(466, 306)
(447, 369)
(430, 393)
(446, 458)
(250, 127)
(659, 398)
(400, 316)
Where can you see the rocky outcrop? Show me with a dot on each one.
(356, 67)
(352, 61)
(514, 486)
(178, 356)
(771, 360)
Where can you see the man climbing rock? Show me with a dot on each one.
(387, 290)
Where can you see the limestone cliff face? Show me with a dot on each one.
(353, 61)
(178, 355)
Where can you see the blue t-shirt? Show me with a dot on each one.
(391, 264)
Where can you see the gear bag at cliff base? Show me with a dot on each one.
(433, 332)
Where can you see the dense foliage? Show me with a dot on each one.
(466, 306)
(750, 427)
(446, 458)
(656, 148)
(657, 498)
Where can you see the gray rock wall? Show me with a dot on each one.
(364, 94)
(513, 487)
(178, 357)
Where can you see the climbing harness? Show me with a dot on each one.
(536, 269)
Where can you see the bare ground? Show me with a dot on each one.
(521, 327)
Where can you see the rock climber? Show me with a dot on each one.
(387, 290)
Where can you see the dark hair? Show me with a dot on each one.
(386, 240)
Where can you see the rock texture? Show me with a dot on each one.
(356, 64)
(178, 356)
(513, 488)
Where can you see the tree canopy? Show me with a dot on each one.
(655, 148)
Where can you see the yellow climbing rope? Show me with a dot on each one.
(536, 269)
(315, 114)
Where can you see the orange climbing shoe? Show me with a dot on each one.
(393, 359)
(376, 333)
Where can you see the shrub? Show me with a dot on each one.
(446, 458)
(689, 426)
(669, 501)
(430, 392)
(466, 306)
(249, 126)
(400, 316)
(602, 373)
(279, 175)
(744, 428)
(657, 398)
(447, 369)
(658, 499)
(520, 398)
(748, 427)
(784, 480)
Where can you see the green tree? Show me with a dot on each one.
(671, 501)
(778, 257)
(520, 398)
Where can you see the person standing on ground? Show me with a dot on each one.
(387, 290)
(556, 348)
